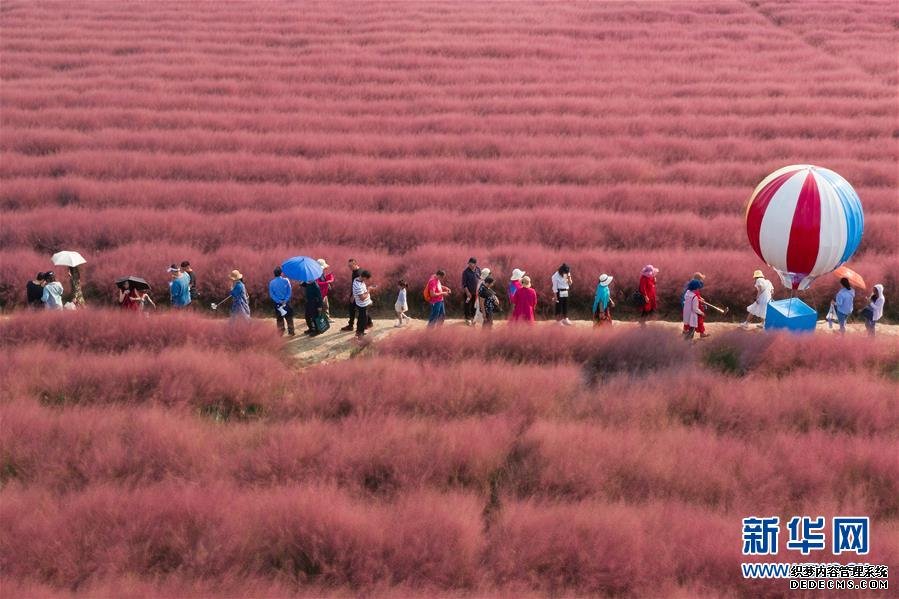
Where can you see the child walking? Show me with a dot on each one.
(401, 305)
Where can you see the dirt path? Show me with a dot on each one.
(338, 345)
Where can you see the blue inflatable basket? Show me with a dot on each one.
(792, 315)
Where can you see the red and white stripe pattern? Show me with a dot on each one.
(804, 221)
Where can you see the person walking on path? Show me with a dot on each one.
(130, 298)
(488, 301)
(435, 294)
(648, 291)
(844, 302)
(515, 282)
(697, 276)
(77, 293)
(179, 287)
(602, 302)
(471, 282)
(362, 299)
(692, 309)
(325, 282)
(34, 291)
(525, 302)
(402, 305)
(355, 269)
(700, 318)
(561, 281)
(280, 291)
(240, 301)
(479, 312)
(191, 280)
(52, 293)
(874, 310)
(764, 290)
(312, 307)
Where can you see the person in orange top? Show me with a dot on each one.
(524, 300)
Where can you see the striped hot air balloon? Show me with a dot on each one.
(804, 221)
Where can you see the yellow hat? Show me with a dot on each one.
(758, 275)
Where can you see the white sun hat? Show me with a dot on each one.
(517, 274)
(605, 279)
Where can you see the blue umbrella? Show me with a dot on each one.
(301, 268)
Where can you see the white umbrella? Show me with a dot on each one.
(70, 259)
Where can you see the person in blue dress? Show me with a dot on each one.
(240, 301)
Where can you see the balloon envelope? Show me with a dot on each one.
(302, 268)
(804, 221)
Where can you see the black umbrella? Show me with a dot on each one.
(135, 282)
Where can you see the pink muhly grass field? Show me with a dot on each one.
(539, 460)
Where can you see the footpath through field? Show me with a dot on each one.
(339, 345)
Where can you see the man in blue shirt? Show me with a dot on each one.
(179, 287)
(280, 291)
(844, 303)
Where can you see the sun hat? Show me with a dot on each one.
(525, 281)
(485, 272)
(517, 273)
(322, 263)
(605, 279)
(698, 276)
(758, 275)
(235, 275)
(649, 270)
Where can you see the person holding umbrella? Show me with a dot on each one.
(313, 307)
(132, 293)
(73, 260)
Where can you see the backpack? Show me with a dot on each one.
(427, 293)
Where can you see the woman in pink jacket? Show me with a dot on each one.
(524, 301)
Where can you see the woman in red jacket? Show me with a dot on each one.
(524, 300)
(648, 291)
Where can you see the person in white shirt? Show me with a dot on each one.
(759, 308)
(874, 310)
(561, 281)
(362, 298)
(401, 306)
(52, 295)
